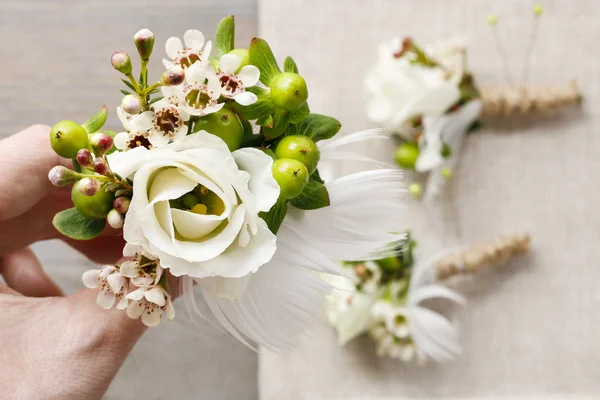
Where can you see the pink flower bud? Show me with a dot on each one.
(121, 62)
(84, 158)
(100, 165)
(101, 143)
(173, 76)
(131, 104)
(114, 219)
(144, 42)
(88, 187)
(121, 204)
(62, 176)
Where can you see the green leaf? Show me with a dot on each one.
(313, 196)
(317, 177)
(266, 122)
(259, 110)
(128, 84)
(316, 126)
(125, 92)
(298, 115)
(97, 121)
(289, 65)
(76, 226)
(275, 216)
(281, 121)
(225, 36)
(262, 57)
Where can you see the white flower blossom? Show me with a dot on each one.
(234, 83)
(402, 89)
(194, 52)
(221, 236)
(150, 303)
(199, 94)
(112, 284)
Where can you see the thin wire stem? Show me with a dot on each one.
(529, 50)
(502, 53)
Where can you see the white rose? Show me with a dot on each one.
(401, 90)
(226, 239)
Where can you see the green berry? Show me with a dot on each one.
(243, 55)
(407, 155)
(95, 207)
(67, 137)
(288, 91)
(301, 148)
(390, 264)
(415, 190)
(224, 124)
(446, 172)
(291, 175)
(189, 200)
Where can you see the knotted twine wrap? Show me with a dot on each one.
(501, 101)
(487, 254)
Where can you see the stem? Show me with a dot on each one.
(529, 51)
(151, 88)
(143, 73)
(502, 54)
(134, 83)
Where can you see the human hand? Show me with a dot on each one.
(50, 346)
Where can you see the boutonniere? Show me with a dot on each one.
(430, 100)
(386, 298)
(214, 180)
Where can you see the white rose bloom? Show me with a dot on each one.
(401, 90)
(224, 237)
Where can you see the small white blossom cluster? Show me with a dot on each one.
(135, 286)
(198, 94)
(428, 99)
(383, 299)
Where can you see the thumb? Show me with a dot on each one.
(23, 272)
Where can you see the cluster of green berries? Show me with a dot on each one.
(94, 185)
(296, 158)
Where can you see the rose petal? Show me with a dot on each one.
(195, 226)
(229, 63)
(237, 261)
(262, 184)
(169, 184)
(125, 163)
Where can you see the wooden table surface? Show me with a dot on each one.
(56, 65)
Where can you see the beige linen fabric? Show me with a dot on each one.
(528, 330)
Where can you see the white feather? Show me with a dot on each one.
(362, 220)
(454, 130)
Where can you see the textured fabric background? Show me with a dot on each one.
(56, 65)
(529, 329)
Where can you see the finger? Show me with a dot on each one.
(35, 224)
(6, 290)
(105, 249)
(113, 324)
(26, 159)
(23, 272)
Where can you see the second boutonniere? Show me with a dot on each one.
(387, 298)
